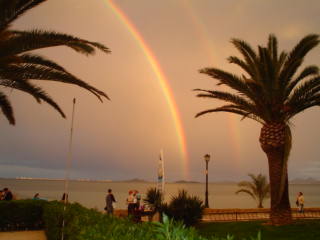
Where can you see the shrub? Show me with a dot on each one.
(185, 208)
(83, 224)
(21, 215)
(154, 198)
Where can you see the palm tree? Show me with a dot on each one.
(19, 67)
(258, 188)
(270, 92)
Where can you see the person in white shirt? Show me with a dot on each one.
(300, 202)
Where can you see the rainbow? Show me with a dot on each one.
(208, 45)
(163, 82)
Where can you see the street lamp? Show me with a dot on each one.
(206, 159)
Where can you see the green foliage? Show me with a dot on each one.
(81, 223)
(52, 216)
(300, 229)
(20, 215)
(154, 198)
(185, 208)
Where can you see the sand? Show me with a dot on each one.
(23, 235)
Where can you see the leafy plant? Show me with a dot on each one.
(185, 208)
(154, 198)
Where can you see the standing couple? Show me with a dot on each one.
(133, 202)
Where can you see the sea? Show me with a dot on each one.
(92, 194)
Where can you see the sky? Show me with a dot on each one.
(157, 49)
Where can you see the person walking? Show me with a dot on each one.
(109, 202)
(300, 202)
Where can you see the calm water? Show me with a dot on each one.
(92, 194)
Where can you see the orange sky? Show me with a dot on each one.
(121, 139)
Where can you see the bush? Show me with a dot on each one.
(185, 208)
(154, 198)
(21, 215)
(83, 224)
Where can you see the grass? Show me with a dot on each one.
(299, 230)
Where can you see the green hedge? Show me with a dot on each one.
(87, 224)
(21, 215)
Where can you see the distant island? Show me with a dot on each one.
(134, 180)
(184, 181)
(304, 181)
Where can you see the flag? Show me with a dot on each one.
(161, 172)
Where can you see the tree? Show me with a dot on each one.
(19, 67)
(258, 188)
(270, 92)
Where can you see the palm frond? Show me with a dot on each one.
(230, 80)
(43, 73)
(228, 97)
(36, 92)
(247, 192)
(302, 106)
(308, 71)
(296, 56)
(12, 9)
(23, 41)
(6, 108)
(39, 60)
(304, 92)
(246, 50)
(245, 66)
(273, 47)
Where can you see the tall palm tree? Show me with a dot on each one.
(271, 92)
(19, 67)
(258, 188)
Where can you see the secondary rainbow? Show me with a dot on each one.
(163, 82)
(209, 46)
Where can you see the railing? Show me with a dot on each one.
(211, 215)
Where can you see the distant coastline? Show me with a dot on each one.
(138, 180)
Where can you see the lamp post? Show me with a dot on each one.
(206, 159)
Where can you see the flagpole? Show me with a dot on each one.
(68, 167)
(163, 178)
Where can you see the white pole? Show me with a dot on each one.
(68, 167)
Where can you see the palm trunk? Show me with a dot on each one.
(272, 140)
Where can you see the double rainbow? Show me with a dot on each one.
(163, 82)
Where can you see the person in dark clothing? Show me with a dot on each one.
(64, 198)
(109, 202)
(7, 194)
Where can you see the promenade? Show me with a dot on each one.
(237, 214)
(222, 215)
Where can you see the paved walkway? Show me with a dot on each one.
(23, 235)
(219, 215)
